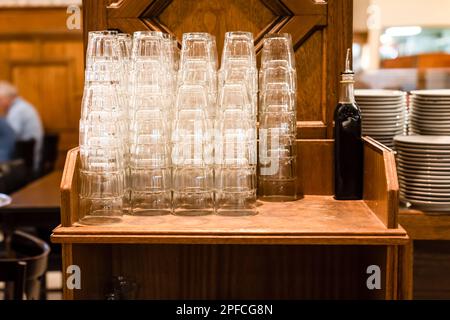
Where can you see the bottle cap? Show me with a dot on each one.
(348, 70)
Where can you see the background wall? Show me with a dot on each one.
(45, 61)
(425, 13)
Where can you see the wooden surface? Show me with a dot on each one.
(314, 219)
(42, 194)
(425, 226)
(317, 217)
(44, 60)
(321, 34)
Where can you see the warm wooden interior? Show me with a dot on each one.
(315, 247)
(45, 61)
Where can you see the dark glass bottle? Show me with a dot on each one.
(348, 150)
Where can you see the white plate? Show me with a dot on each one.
(383, 122)
(425, 186)
(423, 181)
(432, 93)
(407, 147)
(4, 200)
(379, 93)
(428, 158)
(424, 198)
(420, 120)
(424, 163)
(424, 140)
(381, 106)
(433, 193)
(376, 117)
(382, 125)
(437, 132)
(427, 206)
(425, 167)
(427, 125)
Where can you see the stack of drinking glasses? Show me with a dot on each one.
(235, 130)
(192, 129)
(102, 128)
(151, 99)
(277, 179)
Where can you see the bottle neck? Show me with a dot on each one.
(347, 94)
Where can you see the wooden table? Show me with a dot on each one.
(37, 205)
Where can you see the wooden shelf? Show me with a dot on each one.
(425, 226)
(302, 240)
(312, 220)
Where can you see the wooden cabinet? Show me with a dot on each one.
(45, 61)
(315, 247)
(321, 32)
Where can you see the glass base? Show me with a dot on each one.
(278, 198)
(192, 212)
(237, 212)
(150, 212)
(91, 220)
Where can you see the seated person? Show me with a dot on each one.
(7, 138)
(22, 118)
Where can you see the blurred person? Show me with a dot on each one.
(23, 118)
(7, 137)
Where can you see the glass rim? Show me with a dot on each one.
(197, 35)
(283, 35)
(103, 33)
(124, 35)
(239, 33)
(148, 33)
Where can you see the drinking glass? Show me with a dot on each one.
(102, 131)
(277, 51)
(277, 175)
(192, 153)
(151, 99)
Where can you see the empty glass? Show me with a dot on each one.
(102, 130)
(151, 98)
(235, 134)
(277, 175)
(192, 153)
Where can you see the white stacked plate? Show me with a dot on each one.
(423, 167)
(430, 112)
(383, 113)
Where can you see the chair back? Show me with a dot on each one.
(33, 252)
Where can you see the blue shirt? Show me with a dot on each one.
(26, 123)
(7, 140)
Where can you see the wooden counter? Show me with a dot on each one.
(315, 243)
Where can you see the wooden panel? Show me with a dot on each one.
(309, 64)
(431, 270)
(31, 21)
(45, 60)
(316, 175)
(232, 272)
(46, 87)
(424, 226)
(96, 271)
(216, 17)
(381, 197)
